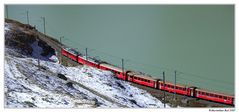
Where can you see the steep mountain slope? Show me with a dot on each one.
(51, 85)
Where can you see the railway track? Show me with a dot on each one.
(193, 102)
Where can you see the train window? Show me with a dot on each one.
(176, 87)
(225, 97)
(184, 89)
(211, 95)
(207, 94)
(131, 76)
(199, 92)
(216, 96)
(220, 96)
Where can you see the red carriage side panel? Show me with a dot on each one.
(170, 88)
(214, 97)
(92, 64)
(72, 56)
(142, 81)
(81, 60)
(122, 76)
(64, 52)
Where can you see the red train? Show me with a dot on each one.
(134, 77)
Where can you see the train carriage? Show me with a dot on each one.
(179, 89)
(81, 60)
(64, 52)
(92, 63)
(212, 96)
(142, 80)
(70, 53)
(73, 54)
(118, 71)
(136, 77)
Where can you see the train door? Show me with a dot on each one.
(157, 84)
(192, 91)
(126, 76)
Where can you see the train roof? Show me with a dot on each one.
(181, 85)
(214, 92)
(112, 67)
(90, 59)
(141, 75)
(71, 50)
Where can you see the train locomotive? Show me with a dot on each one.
(135, 77)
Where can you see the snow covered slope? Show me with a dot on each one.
(52, 85)
(27, 86)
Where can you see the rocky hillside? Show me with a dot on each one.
(51, 85)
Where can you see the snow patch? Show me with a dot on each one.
(28, 86)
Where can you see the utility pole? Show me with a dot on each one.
(86, 55)
(6, 11)
(60, 39)
(61, 50)
(123, 67)
(44, 24)
(164, 99)
(27, 17)
(38, 60)
(174, 85)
